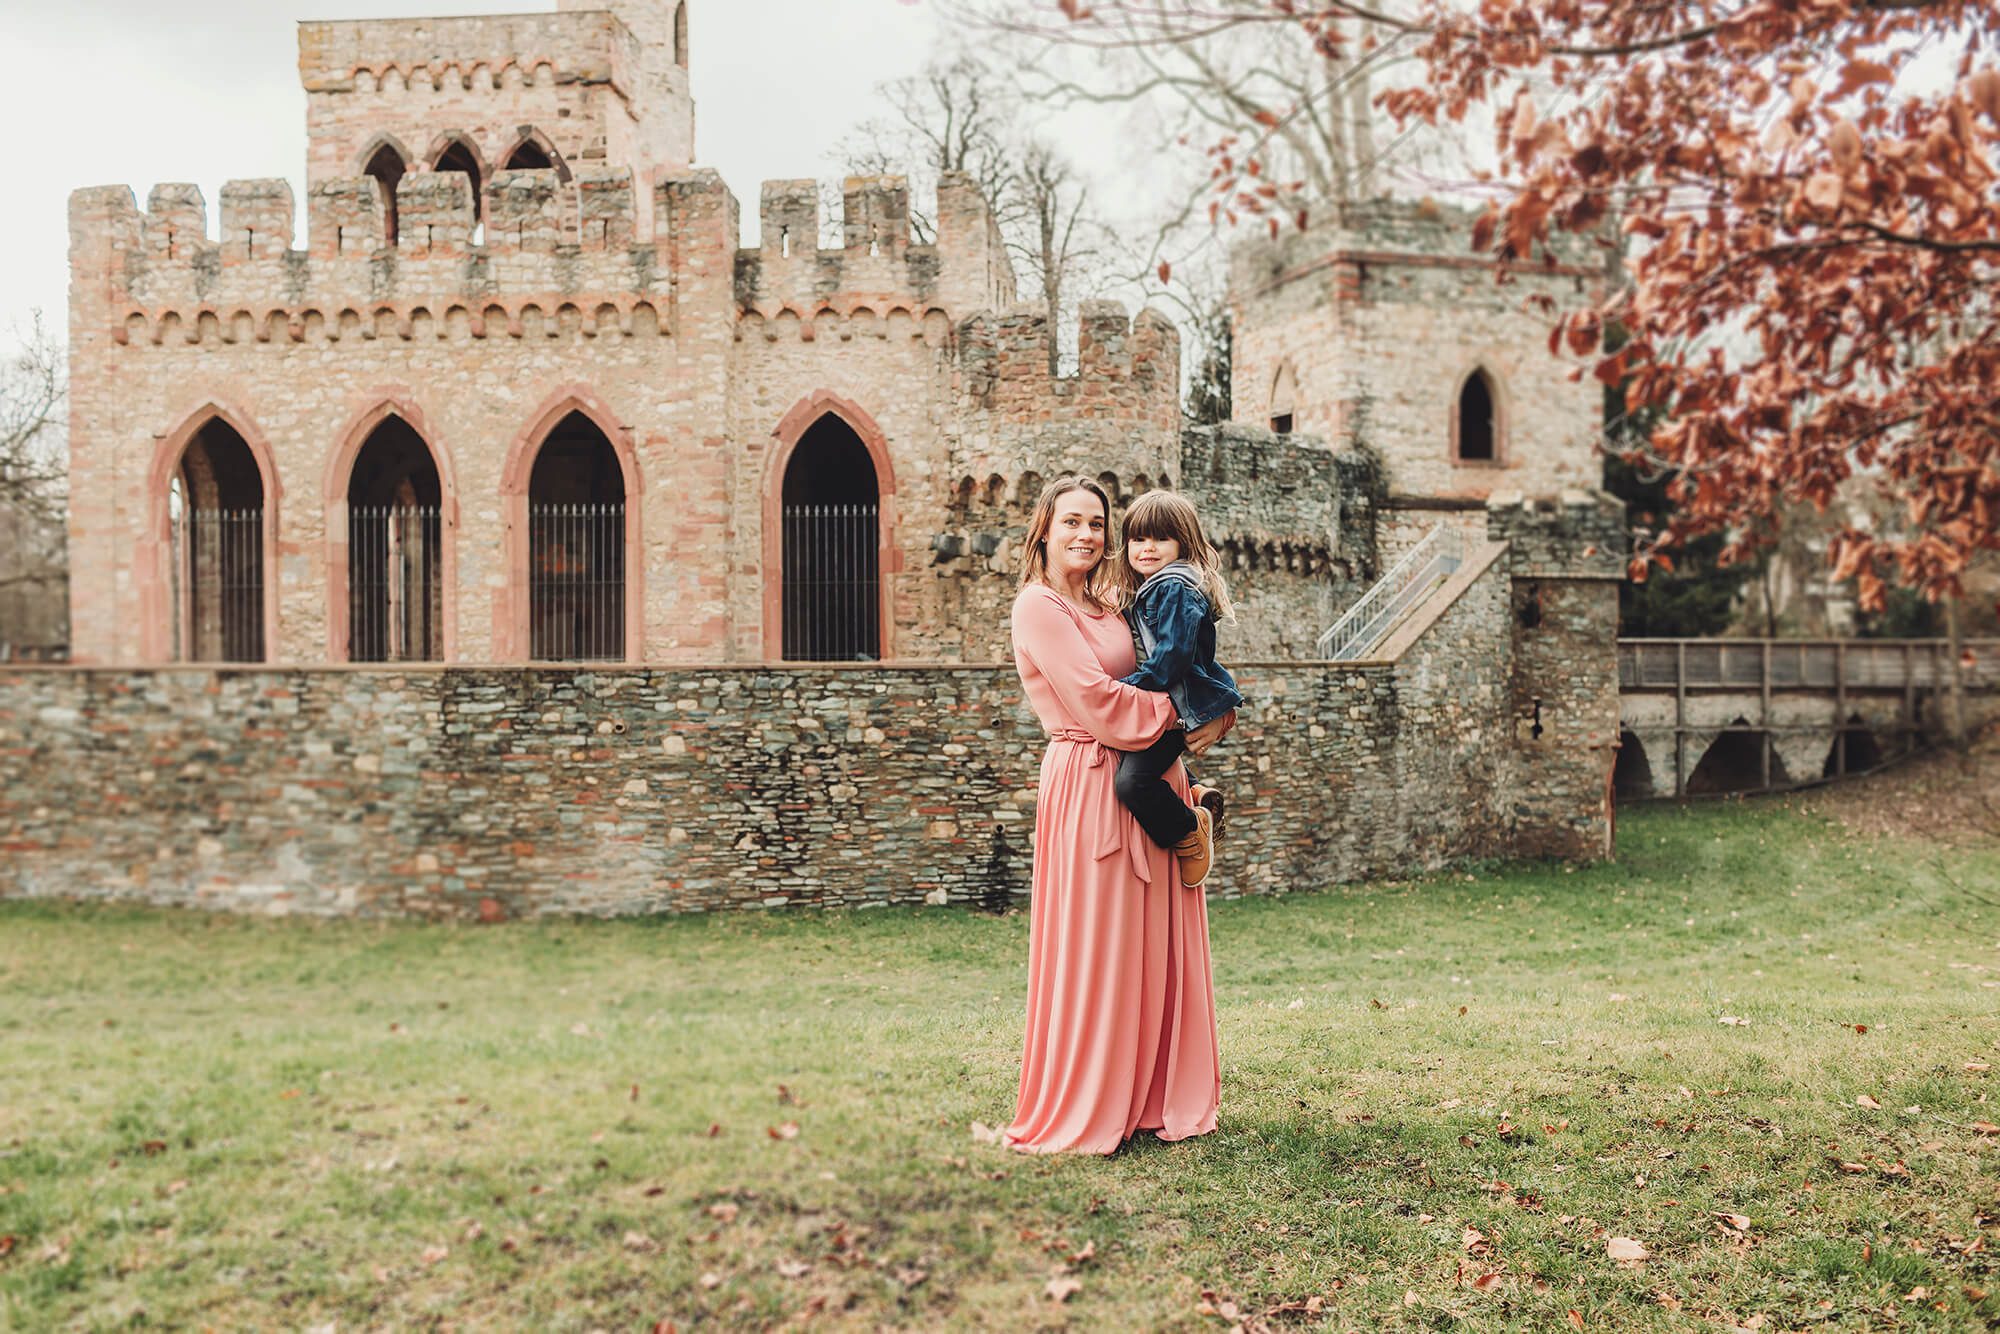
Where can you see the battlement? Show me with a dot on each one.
(545, 245)
(1125, 365)
(965, 269)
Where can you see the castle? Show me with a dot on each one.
(525, 544)
(524, 397)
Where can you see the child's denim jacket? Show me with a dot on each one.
(1176, 631)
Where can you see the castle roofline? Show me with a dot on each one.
(586, 45)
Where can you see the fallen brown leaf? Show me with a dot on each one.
(792, 1268)
(1626, 1249)
(788, 1130)
(1061, 1289)
(722, 1211)
(1575, 1318)
(1865, 1101)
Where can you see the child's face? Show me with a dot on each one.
(1148, 554)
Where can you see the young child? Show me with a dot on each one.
(1176, 594)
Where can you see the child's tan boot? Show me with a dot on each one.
(1197, 850)
(1211, 800)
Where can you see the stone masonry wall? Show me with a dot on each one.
(1565, 559)
(453, 791)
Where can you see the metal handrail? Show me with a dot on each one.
(1438, 554)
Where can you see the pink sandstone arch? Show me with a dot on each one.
(396, 402)
(510, 608)
(791, 428)
(155, 550)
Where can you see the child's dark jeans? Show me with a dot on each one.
(1143, 790)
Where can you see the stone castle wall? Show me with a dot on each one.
(515, 791)
(695, 356)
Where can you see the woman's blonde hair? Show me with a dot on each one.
(1170, 516)
(1098, 585)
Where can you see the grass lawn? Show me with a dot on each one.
(1441, 1101)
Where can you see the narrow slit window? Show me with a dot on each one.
(1478, 430)
(388, 167)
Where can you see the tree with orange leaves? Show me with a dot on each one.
(1810, 196)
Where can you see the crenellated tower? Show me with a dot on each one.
(594, 87)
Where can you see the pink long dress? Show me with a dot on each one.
(1121, 1007)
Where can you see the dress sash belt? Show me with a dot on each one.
(1117, 831)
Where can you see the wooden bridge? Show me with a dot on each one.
(1710, 716)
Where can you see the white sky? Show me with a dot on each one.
(134, 92)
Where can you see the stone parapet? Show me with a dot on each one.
(877, 263)
(558, 258)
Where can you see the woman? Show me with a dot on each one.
(1121, 1010)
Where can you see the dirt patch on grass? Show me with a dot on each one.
(1943, 796)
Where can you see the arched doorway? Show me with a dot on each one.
(395, 549)
(576, 546)
(215, 518)
(830, 539)
(1632, 776)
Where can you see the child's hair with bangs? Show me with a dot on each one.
(1169, 515)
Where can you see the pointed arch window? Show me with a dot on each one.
(215, 517)
(386, 165)
(576, 546)
(831, 538)
(1475, 420)
(458, 156)
(395, 549)
(535, 153)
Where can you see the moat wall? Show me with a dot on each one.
(512, 791)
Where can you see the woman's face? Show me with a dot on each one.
(1076, 537)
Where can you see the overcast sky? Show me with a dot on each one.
(135, 92)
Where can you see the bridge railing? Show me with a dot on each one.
(1802, 664)
(1839, 672)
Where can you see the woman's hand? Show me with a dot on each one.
(1210, 732)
